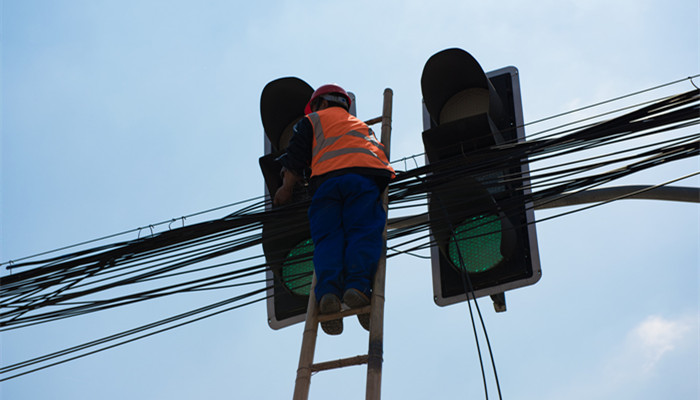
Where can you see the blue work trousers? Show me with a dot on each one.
(347, 221)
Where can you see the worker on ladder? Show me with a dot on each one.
(349, 171)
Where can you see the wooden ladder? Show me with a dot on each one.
(373, 358)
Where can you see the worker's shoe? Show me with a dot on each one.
(353, 298)
(330, 304)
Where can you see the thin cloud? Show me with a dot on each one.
(657, 336)
(642, 359)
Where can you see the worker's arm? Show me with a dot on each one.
(284, 193)
(296, 158)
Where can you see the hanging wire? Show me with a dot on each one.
(11, 263)
(68, 285)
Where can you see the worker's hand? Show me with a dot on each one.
(283, 195)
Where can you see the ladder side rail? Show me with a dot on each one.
(376, 334)
(308, 347)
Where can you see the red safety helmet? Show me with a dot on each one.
(327, 89)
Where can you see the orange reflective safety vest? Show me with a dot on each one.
(340, 141)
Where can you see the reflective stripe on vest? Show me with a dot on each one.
(343, 141)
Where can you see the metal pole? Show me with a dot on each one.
(642, 192)
(646, 192)
(376, 334)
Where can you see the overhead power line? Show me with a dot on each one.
(199, 257)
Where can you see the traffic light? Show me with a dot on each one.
(482, 230)
(286, 239)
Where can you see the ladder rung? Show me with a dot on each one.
(344, 313)
(374, 121)
(343, 362)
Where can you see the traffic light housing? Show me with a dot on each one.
(482, 230)
(286, 238)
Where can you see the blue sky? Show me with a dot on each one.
(120, 114)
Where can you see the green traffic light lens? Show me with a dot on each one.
(475, 245)
(297, 271)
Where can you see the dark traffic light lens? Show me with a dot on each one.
(298, 269)
(476, 244)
